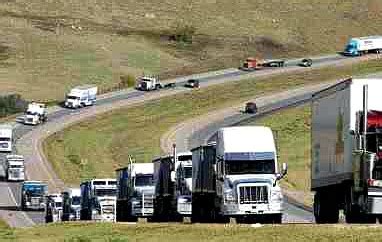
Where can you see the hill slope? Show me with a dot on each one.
(47, 46)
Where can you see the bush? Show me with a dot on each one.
(183, 34)
(127, 81)
(11, 104)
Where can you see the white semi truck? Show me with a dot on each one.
(135, 191)
(148, 83)
(35, 114)
(98, 200)
(71, 204)
(173, 186)
(6, 131)
(363, 45)
(81, 96)
(347, 151)
(237, 177)
(15, 168)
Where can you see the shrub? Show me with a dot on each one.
(11, 104)
(127, 81)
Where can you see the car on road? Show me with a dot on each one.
(306, 62)
(192, 83)
(250, 107)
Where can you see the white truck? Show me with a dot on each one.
(363, 45)
(135, 191)
(237, 177)
(148, 83)
(53, 208)
(15, 168)
(71, 204)
(6, 138)
(98, 200)
(173, 186)
(347, 151)
(81, 96)
(35, 114)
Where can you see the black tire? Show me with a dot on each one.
(325, 208)
(277, 219)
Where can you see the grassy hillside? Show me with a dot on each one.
(196, 232)
(41, 54)
(96, 147)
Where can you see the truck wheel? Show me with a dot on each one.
(325, 209)
(277, 219)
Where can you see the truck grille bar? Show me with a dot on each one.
(253, 194)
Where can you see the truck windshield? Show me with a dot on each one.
(105, 192)
(72, 97)
(35, 190)
(76, 200)
(16, 166)
(187, 172)
(239, 167)
(144, 180)
(5, 139)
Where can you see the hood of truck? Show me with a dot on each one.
(235, 180)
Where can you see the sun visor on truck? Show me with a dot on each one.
(249, 156)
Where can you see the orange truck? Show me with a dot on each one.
(252, 64)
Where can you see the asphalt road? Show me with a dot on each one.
(28, 138)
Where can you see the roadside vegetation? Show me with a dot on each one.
(11, 104)
(96, 147)
(196, 232)
(48, 46)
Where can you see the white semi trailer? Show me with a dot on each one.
(363, 45)
(347, 151)
(81, 96)
(237, 177)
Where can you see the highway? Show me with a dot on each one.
(28, 138)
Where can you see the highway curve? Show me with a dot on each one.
(29, 139)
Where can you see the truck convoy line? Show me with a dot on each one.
(134, 94)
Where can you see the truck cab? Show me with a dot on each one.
(71, 204)
(15, 168)
(98, 200)
(53, 208)
(81, 96)
(247, 172)
(183, 183)
(135, 191)
(6, 138)
(33, 195)
(35, 114)
(148, 83)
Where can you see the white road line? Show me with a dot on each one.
(26, 217)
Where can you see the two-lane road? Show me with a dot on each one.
(28, 138)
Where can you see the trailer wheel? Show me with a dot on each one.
(325, 210)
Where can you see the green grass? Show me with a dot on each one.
(196, 232)
(41, 59)
(96, 147)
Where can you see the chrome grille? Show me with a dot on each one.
(253, 194)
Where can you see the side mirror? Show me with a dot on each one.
(172, 176)
(284, 169)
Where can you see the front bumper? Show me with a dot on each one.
(252, 209)
(142, 212)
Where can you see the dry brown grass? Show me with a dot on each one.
(41, 55)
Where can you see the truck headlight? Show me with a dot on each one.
(229, 197)
(276, 196)
(28, 203)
